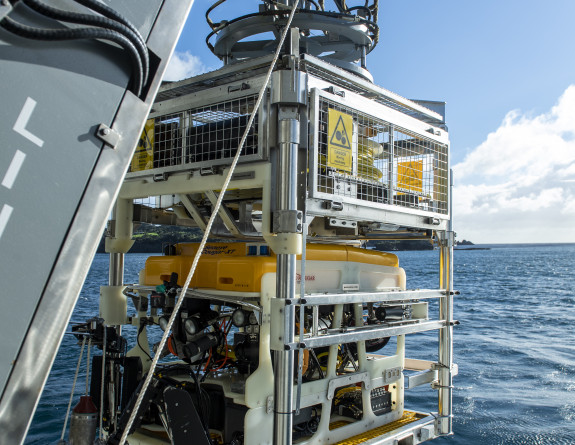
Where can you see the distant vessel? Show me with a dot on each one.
(291, 156)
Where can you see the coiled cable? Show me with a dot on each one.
(99, 22)
(110, 26)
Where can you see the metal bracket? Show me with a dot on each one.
(332, 90)
(439, 366)
(159, 177)
(391, 375)
(421, 378)
(108, 135)
(242, 87)
(207, 171)
(333, 205)
(288, 221)
(270, 404)
(338, 382)
(335, 222)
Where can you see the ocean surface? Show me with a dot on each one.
(515, 346)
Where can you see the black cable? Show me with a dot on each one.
(98, 21)
(79, 34)
(211, 24)
(106, 11)
(201, 407)
(138, 341)
(362, 8)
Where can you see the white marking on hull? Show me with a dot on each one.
(13, 169)
(22, 121)
(4, 217)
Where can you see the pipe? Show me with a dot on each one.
(445, 396)
(288, 135)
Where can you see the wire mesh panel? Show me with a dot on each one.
(208, 135)
(362, 158)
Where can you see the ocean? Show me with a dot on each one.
(515, 346)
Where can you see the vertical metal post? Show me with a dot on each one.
(116, 267)
(445, 420)
(363, 57)
(390, 168)
(288, 136)
(120, 240)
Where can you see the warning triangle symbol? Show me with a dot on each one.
(339, 137)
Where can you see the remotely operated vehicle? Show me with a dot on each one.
(283, 328)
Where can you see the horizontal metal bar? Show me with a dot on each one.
(369, 297)
(367, 333)
(420, 378)
(394, 97)
(206, 295)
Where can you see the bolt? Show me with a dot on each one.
(105, 131)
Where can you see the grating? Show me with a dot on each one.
(206, 134)
(387, 164)
(343, 82)
(408, 417)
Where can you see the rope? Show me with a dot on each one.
(73, 389)
(206, 234)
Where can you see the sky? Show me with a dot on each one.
(506, 70)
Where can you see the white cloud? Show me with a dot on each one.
(184, 65)
(519, 184)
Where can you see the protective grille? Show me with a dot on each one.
(379, 162)
(207, 135)
(343, 82)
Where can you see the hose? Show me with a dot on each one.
(78, 34)
(97, 21)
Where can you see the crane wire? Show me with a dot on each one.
(206, 233)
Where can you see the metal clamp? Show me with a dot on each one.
(391, 375)
(288, 221)
(108, 135)
(338, 382)
(335, 222)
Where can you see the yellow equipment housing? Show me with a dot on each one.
(239, 267)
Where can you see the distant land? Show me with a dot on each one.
(149, 238)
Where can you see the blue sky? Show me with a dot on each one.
(504, 67)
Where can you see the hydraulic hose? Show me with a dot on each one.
(78, 34)
(97, 21)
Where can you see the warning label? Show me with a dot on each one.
(340, 133)
(410, 175)
(144, 156)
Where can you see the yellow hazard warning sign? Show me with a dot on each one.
(339, 137)
(143, 158)
(410, 175)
